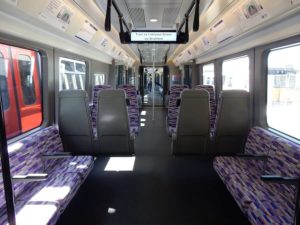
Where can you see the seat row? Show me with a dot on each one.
(44, 177)
(265, 180)
(199, 130)
(112, 123)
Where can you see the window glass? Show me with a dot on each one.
(131, 76)
(208, 71)
(283, 101)
(3, 82)
(99, 79)
(236, 73)
(20, 89)
(72, 74)
(26, 76)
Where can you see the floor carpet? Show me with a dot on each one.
(160, 190)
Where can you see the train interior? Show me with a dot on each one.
(161, 112)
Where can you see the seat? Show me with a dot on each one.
(212, 102)
(232, 121)
(193, 126)
(133, 108)
(175, 93)
(75, 122)
(96, 90)
(113, 125)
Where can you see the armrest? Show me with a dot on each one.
(251, 156)
(280, 179)
(56, 155)
(31, 177)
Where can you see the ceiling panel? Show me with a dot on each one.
(139, 12)
(138, 17)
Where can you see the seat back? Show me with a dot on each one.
(113, 124)
(259, 141)
(193, 124)
(175, 93)
(96, 90)
(232, 121)
(284, 158)
(75, 122)
(133, 108)
(212, 102)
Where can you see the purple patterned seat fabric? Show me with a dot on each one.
(133, 108)
(262, 202)
(259, 142)
(94, 106)
(173, 110)
(50, 197)
(212, 102)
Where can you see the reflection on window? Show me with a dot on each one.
(283, 101)
(99, 79)
(209, 74)
(26, 76)
(3, 82)
(236, 73)
(72, 74)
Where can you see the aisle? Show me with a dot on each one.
(160, 190)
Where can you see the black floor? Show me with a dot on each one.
(161, 189)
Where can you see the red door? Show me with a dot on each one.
(12, 122)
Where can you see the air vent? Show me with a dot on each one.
(169, 17)
(138, 17)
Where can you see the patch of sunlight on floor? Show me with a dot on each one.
(120, 164)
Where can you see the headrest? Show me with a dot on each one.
(73, 94)
(112, 94)
(194, 93)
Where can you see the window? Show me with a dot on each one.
(20, 89)
(236, 73)
(26, 77)
(208, 71)
(3, 82)
(72, 74)
(98, 79)
(283, 96)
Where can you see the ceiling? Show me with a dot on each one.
(137, 13)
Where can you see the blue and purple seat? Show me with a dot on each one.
(133, 108)
(264, 199)
(173, 109)
(42, 202)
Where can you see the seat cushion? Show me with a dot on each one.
(57, 189)
(249, 188)
(72, 164)
(270, 212)
(37, 213)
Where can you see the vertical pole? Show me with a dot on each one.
(8, 189)
(153, 83)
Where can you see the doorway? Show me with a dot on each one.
(153, 86)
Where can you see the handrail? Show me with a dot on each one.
(8, 189)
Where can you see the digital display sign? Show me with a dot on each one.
(153, 36)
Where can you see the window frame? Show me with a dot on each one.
(231, 59)
(278, 45)
(75, 72)
(261, 83)
(202, 71)
(42, 70)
